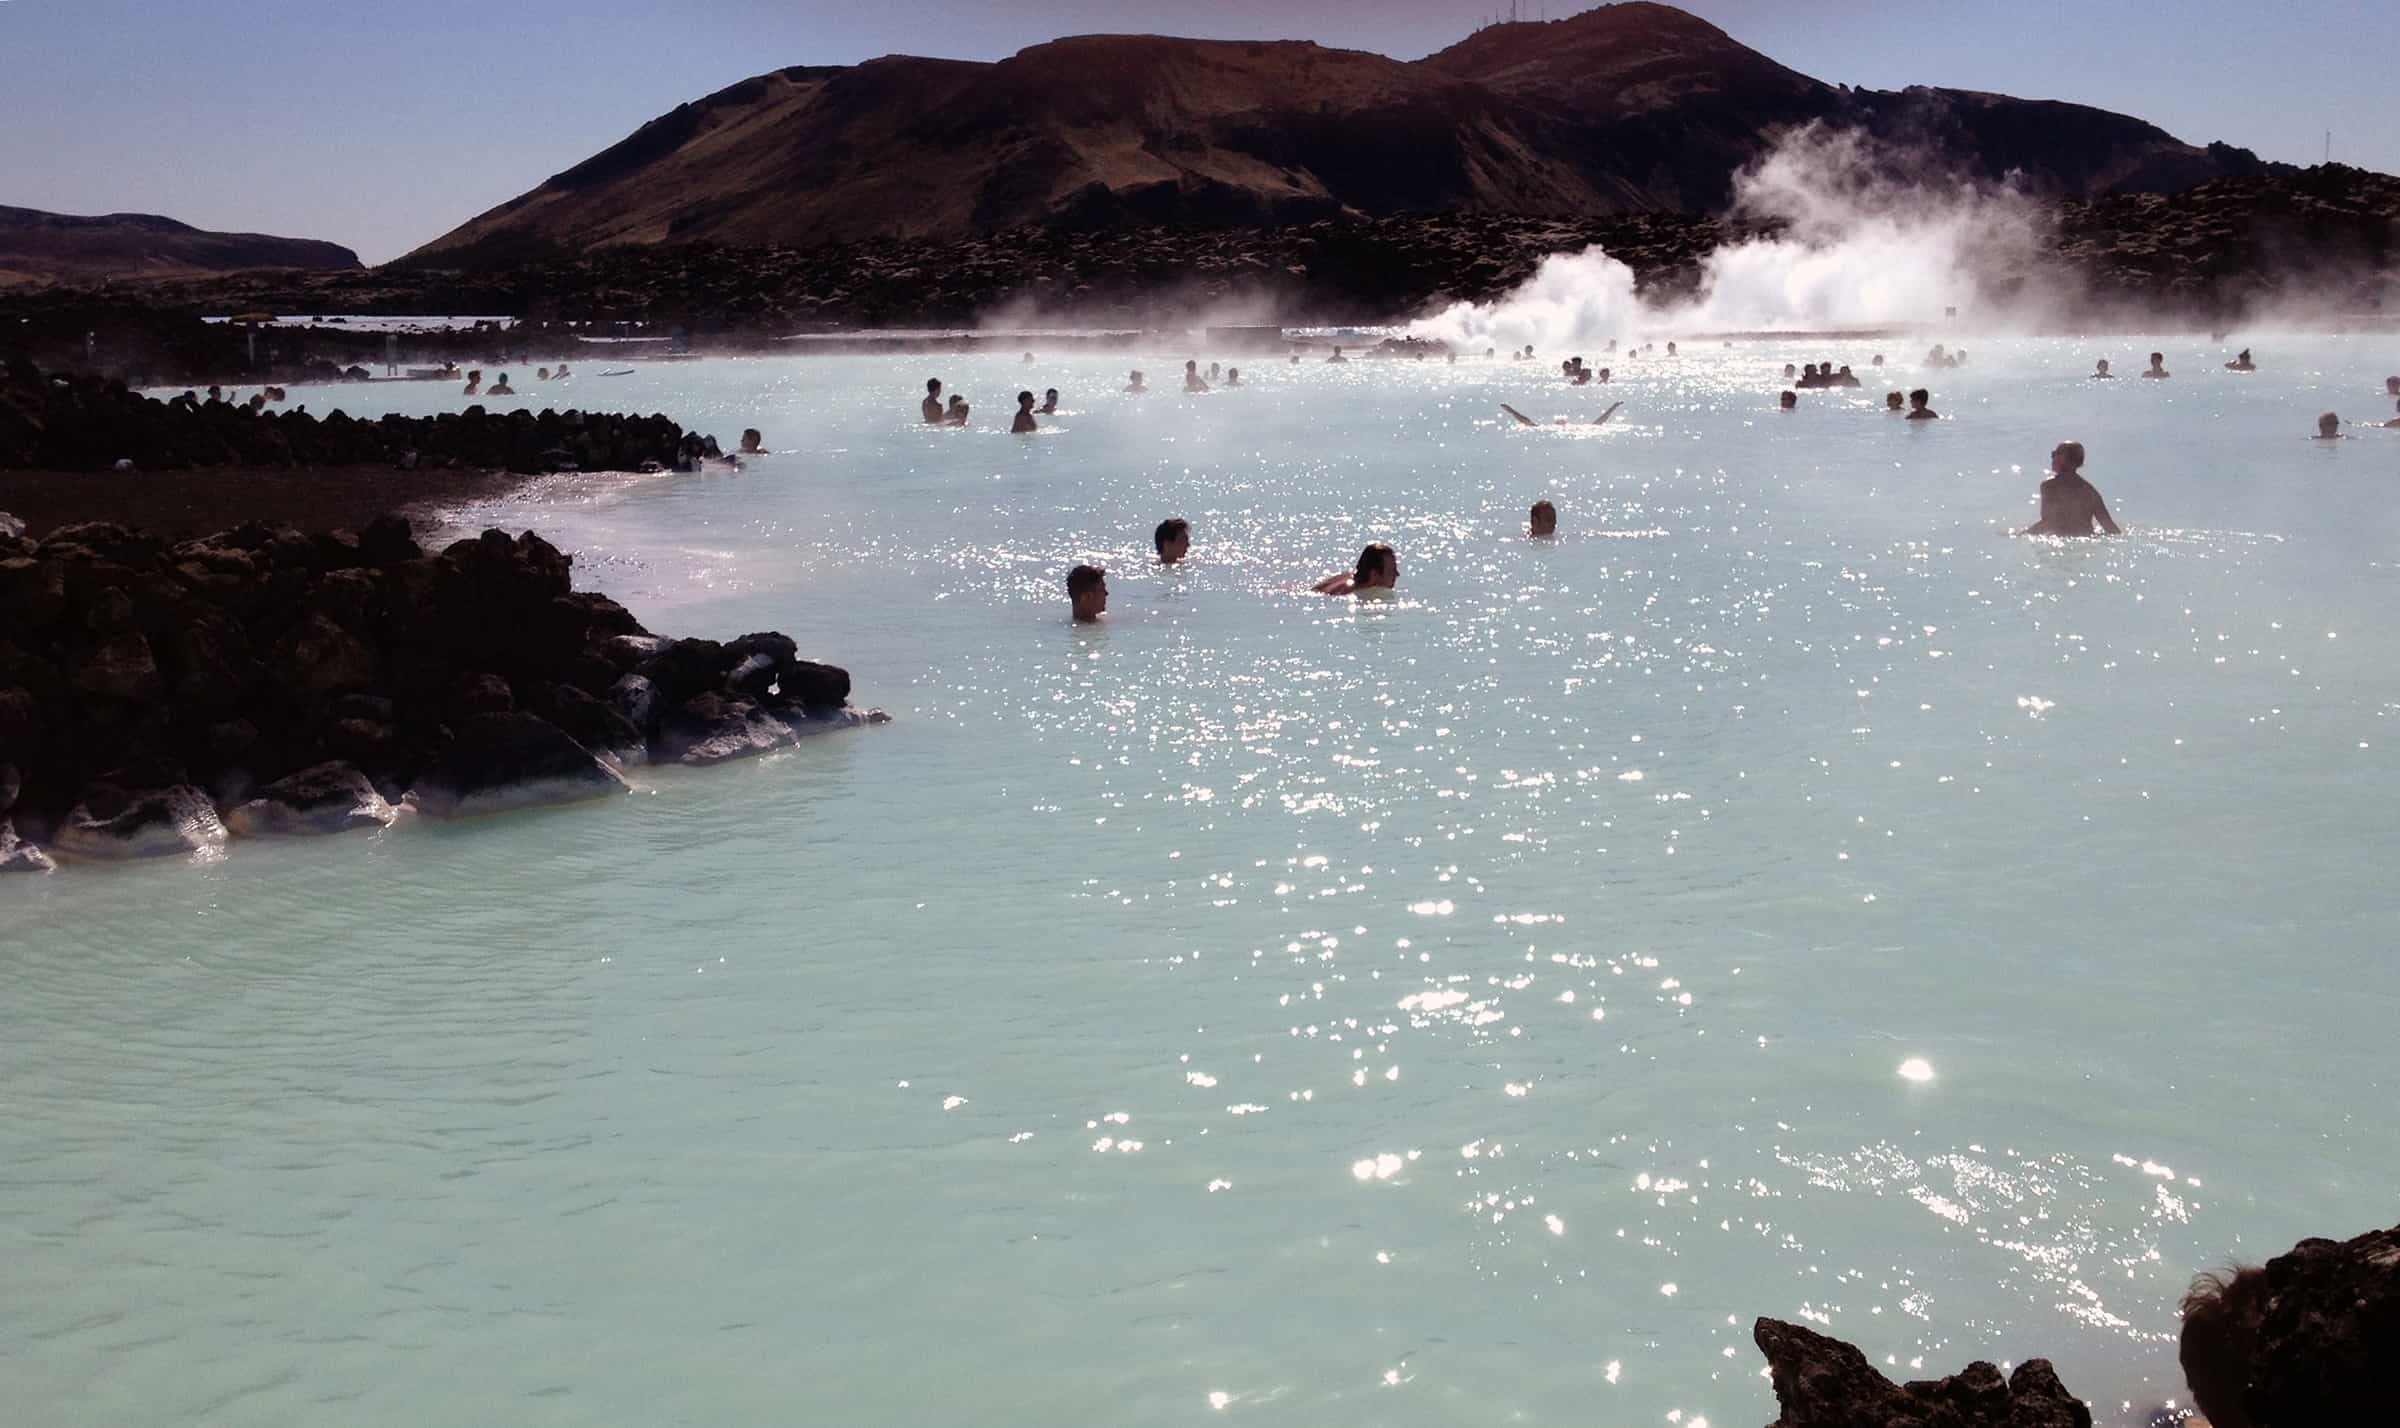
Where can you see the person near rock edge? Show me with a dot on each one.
(1134, 385)
(1919, 408)
(1192, 380)
(1049, 401)
(1378, 569)
(753, 444)
(2158, 367)
(2100, 372)
(1087, 593)
(957, 414)
(932, 405)
(1542, 520)
(1024, 422)
(2071, 505)
(1172, 540)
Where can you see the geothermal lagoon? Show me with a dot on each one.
(1780, 894)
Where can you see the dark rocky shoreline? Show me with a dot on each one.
(157, 696)
(2210, 255)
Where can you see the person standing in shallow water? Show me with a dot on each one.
(2101, 373)
(1378, 569)
(1172, 540)
(1134, 385)
(1024, 422)
(932, 405)
(1192, 380)
(2158, 367)
(1918, 408)
(1087, 593)
(2071, 506)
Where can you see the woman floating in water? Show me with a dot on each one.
(1378, 569)
(2071, 506)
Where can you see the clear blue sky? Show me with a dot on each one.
(382, 125)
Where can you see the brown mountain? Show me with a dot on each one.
(1627, 108)
(38, 249)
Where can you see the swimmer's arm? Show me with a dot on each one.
(1341, 584)
(1522, 419)
(2100, 513)
(1604, 416)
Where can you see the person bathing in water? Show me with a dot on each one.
(1233, 376)
(1894, 403)
(1918, 410)
(1524, 420)
(1542, 521)
(2242, 363)
(932, 405)
(2071, 506)
(1172, 539)
(1192, 380)
(1378, 569)
(1024, 422)
(2158, 367)
(1050, 401)
(753, 444)
(2394, 422)
(1337, 356)
(1087, 592)
(1134, 386)
(957, 414)
(2100, 373)
(501, 388)
(2329, 428)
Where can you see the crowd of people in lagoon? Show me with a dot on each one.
(2071, 506)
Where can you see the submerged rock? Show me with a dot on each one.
(112, 826)
(329, 798)
(712, 728)
(514, 760)
(1821, 1382)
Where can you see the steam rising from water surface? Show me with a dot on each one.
(1870, 238)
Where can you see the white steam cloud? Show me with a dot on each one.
(1868, 240)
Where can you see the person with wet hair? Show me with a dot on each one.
(2329, 427)
(501, 388)
(1049, 401)
(1135, 386)
(1788, 370)
(2071, 505)
(2391, 387)
(932, 405)
(2221, 1316)
(1192, 380)
(1845, 378)
(474, 381)
(1809, 380)
(1024, 421)
(1789, 401)
(2395, 421)
(1919, 408)
(2242, 363)
(753, 444)
(1542, 521)
(1378, 569)
(1337, 356)
(957, 414)
(2158, 367)
(1172, 540)
(1894, 403)
(2100, 373)
(1233, 376)
(1087, 593)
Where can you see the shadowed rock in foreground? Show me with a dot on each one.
(157, 697)
(1821, 1382)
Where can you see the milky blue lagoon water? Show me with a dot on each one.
(1469, 1007)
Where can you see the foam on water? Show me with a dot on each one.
(1781, 894)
